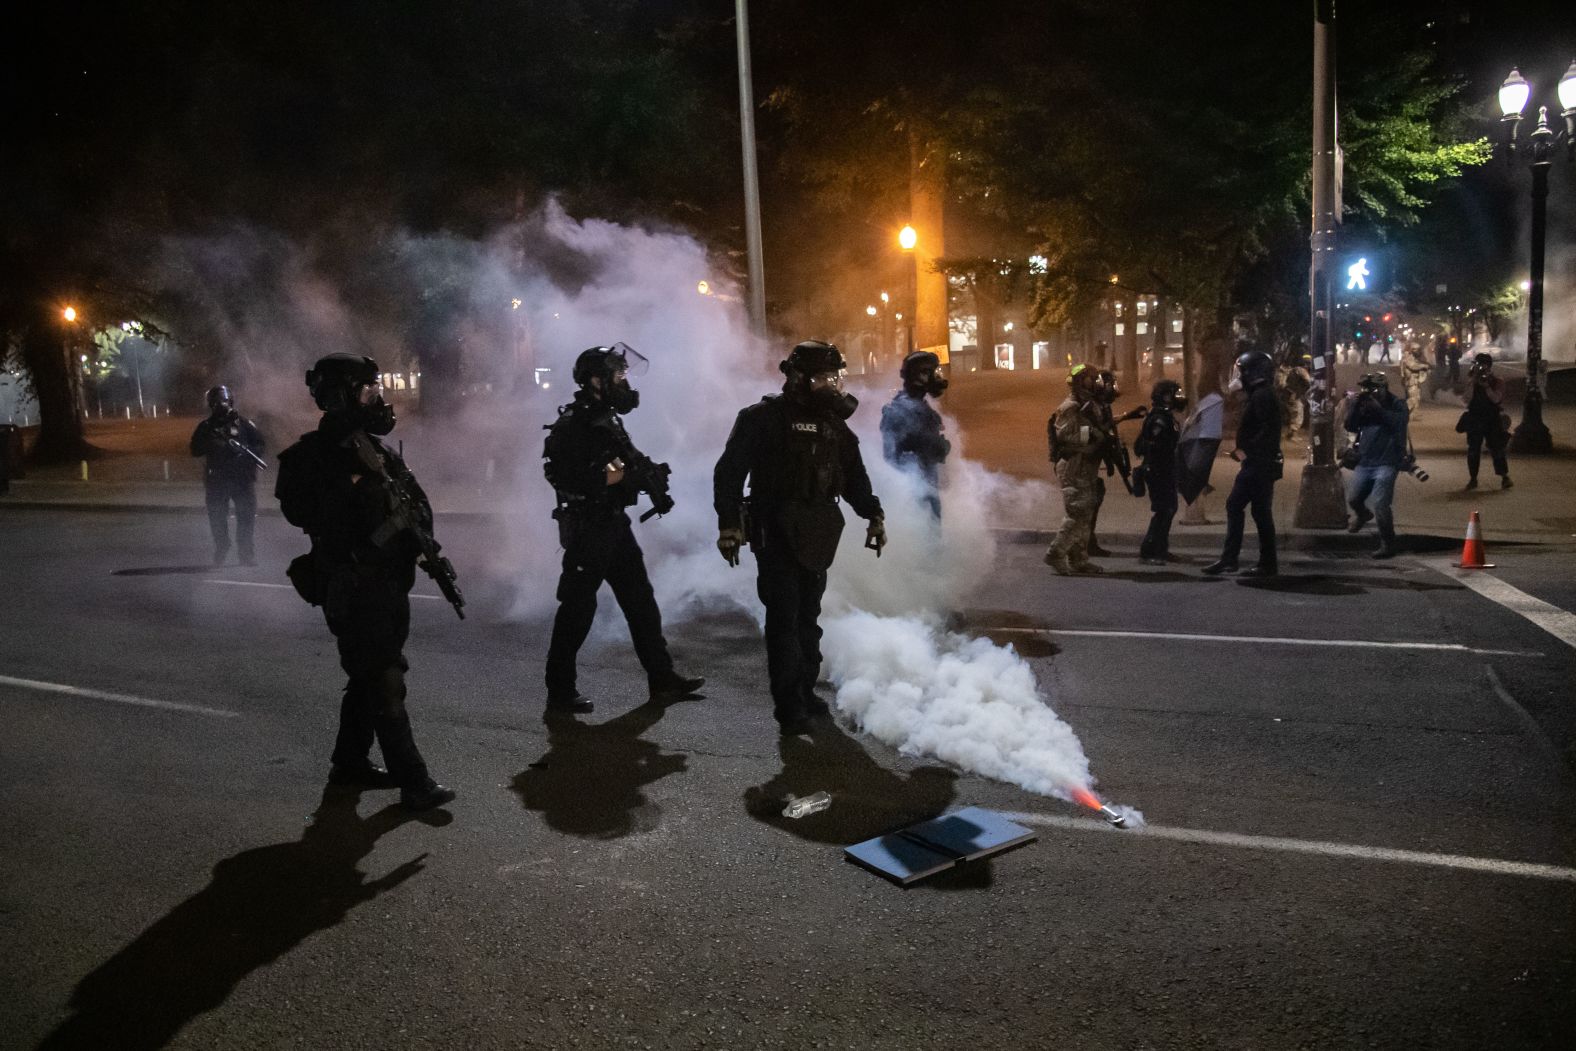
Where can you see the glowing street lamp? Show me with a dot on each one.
(907, 238)
(1532, 435)
(703, 287)
(885, 298)
(70, 313)
(871, 310)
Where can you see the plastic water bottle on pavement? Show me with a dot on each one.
(811, 804)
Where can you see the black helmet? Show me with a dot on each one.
(219, 397)
(606, 362)
(813, 356)
(1083, 376)
(598, 361)
(1255, 367)
(1374, 381)
(1483, 360)
(337, 384)
(1165, 393)
(918, 361)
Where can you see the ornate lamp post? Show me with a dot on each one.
(1532, 435)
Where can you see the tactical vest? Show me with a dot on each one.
(814, 469)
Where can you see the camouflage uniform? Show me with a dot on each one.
(1076, 443)
(1414, 374)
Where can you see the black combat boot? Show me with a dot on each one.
(360, 775)
(572, 703)
(426, 797)
(1224, 565)
(674, 687)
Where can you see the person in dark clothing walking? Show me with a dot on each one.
(1485, 421)
(360, 570)
(1157, 446)
(912, 437)
(596, 472)
(1258, 450)
(800, 459)
(1379, 420)
(234, 447)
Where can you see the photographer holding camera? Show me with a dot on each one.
(1379, 419)
(1485, 420)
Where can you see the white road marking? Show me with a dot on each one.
(1446, 647)
(118, 698)
(287, 587)
(1557, 622)
(1495, 866)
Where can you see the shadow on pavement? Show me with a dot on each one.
(162, 571)
(1334, 586)
(260, 904)
(867, 799)
(588, 784)
(1161, 576)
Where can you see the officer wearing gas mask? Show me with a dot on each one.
(1258, 450)
(233, 446)
(1106, 393)
(1157, 447)
(333, 485)
(1077, 437)
(596, 472)
(800, 458)
(911, 430)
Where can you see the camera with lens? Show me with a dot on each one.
(1410, 465)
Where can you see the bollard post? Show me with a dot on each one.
(166, 470)
(84, 470)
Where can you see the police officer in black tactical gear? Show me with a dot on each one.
(596, 472)
(800, 458)
(233, 446)
(359, 572)
(911, 430)
(1258, 450)
(1157, 446)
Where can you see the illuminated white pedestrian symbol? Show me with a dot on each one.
(1357, 275)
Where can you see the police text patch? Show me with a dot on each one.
(813, 428)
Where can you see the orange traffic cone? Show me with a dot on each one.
(1472, 554)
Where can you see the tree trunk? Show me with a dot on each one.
(1189, 365)
(1127, 344)
(1157, 325)
(986, 311)
(57, 389)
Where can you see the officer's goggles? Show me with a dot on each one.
(369, 393)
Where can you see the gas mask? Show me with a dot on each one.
(622, 398)
(927, 382)
(823, 392)
(370, 412)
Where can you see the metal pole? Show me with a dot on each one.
(1321, 502)
(1532, 435)
(752, 185)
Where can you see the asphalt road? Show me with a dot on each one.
(178, 875)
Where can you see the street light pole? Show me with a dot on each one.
(1321, 502)
(1532, 435)
(752, 183)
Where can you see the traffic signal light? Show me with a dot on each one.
(1360, 336)
(1367, 317)
(1387, 319)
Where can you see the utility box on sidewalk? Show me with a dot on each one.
(10, 454)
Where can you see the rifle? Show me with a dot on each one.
(649, 476)
(244, 451)
(1116, 458)
(407, 513)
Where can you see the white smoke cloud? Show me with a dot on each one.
(587, 282)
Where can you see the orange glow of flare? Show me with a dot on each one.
(1087, 798)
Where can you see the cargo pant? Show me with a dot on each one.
(1077, 475)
